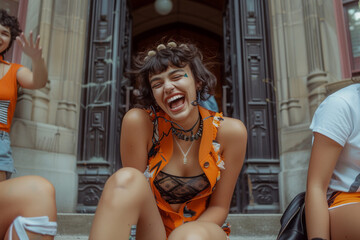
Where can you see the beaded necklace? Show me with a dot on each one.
(179, 133)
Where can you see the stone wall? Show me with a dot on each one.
(306, 60)
(44, 130)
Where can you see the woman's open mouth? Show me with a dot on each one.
(176, 102)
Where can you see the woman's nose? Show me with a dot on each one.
(169, 87)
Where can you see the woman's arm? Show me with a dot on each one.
(232, 136)
(135, 140)
(38, 77)
(324, 155)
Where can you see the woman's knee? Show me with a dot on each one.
(40, 188)
(198, 231)
(190, 231)
(126, 177)
(34, 196)
(29, 187)
(126, 183)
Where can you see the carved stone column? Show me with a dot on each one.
(68, 34)
(317, 77)
(291, 71)
(290, 61)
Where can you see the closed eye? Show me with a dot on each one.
(177, 77)
(6, 34)
(156, 85)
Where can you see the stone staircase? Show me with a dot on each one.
(243, 226)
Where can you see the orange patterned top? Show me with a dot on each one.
(8, 95)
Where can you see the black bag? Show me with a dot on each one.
(293, 226)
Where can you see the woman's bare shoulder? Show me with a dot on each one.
(232, 136)
(232, 128)
(137, 115)
(137, 119)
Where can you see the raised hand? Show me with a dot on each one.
(38, 76)
(34, 51)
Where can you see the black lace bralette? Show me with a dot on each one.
(175, 189)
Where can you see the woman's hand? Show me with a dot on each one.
(38, 77)
(34, 51)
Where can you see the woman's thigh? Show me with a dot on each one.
(150, 225)
(345, 222)
(126, 200)
(199, 231)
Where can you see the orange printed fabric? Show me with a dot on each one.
(339, 199)
(209, 159)
(8, 95)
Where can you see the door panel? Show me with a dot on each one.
(248, 95)
(103, 101)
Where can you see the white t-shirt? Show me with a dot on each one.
(338, 118)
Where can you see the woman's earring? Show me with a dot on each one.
(197, 101)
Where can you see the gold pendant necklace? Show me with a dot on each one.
(184, 154)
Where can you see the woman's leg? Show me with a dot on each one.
(345, 222)
(127, 200)
(198, 231)
(29, 196)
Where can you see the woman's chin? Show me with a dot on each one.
(182, 114)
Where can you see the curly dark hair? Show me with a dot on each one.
(13, 24)
(173, 54)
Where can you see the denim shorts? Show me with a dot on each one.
(6, 160)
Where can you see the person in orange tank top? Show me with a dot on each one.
(27, 204)
(180, 160)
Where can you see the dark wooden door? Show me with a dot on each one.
(104, 98)
(248, 94)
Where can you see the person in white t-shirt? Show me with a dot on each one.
(333, 193)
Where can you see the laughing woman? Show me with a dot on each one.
(27, 204)
(181, 161)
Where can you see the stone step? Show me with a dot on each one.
(73, 226)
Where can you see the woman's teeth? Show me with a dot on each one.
(174, 98)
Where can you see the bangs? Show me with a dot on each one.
(162, 60)
(157, 66)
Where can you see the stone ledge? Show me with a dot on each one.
(71, 237)
(248, 226)
(254, 225)
(74, 224)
